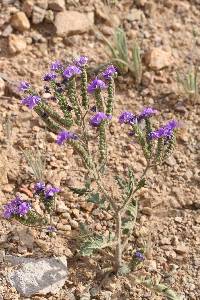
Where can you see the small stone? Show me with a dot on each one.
(42, 244)
(135, 15)
(7, 31)
(64, 227)
(41, 3)
(39, 276)
(16, 43)
(171, 161)
(56, 5)
(87, 206)
(49, 16)
(38, 15)
(74, 224)
(2, 87)
(75, 212)
(61, 207)
(165, 241)
(147, 211)
(181, 249)
(20, 21)
(158, 59)
(27, 7)
(65, 25)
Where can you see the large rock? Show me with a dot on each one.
(16, 43)
(73, 22)
(39, 276)
(158, 59)
(56, 5)
(20, 21)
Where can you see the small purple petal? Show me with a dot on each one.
(24, 86)
(65, 136)
(71, 71)
(96, 120)
(56, 65)
(165, 131)
(16, 207)
(139, 256)
(31, 101)
(127, 117)
(49, 77)
(96, 84)
(109, 72)
(50, 192)
(81, 61)
(39, 187)
(147, 113)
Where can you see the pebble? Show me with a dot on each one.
(20, 21)
(157, 58)
(16, 43)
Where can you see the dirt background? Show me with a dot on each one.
(169, 220)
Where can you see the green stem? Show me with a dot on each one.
(111, 91)
(73, 99)
(85, 99)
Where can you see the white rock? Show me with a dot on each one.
(73, 22)
(39, 276)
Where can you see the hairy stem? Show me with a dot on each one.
(118, 254)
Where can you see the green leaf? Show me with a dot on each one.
(81, 191)
(95, 198)
(90, 245)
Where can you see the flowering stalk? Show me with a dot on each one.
(99, 100)
(102, 143)
(111, 92)
(44, 116)
(85, 99)
(73, 99)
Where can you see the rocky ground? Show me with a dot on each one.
(32, 34)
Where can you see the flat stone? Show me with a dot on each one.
(181, 249)
(65, 24)
(20, 21)
(39, 276)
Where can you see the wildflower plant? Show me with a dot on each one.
(79, 113)
(189, 84)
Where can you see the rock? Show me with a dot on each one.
(7, 31)
(16, 43)
(2, 87)
(135, 15)
(27, 7)
(64, 227)
(158, 59)
(39, 276)
(20, 21)
(26, 238)
(49, 16)
(41, 3)
(38, 14)
(65, 25)
(61, 207)
(147, 211)
(56, 5)
(87, 206)
(181, 249)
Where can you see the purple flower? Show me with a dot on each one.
(39, 187)
(49, 76)
(139, 256)
(65, 136)
(127, 117)
(165, 131)
(71, 71)
(24, 86)
(16, 207)
(50, 192)
(96, 84)
(56, 65)
(96, 120)
(109, 72)
(51, 229)
(147, 113)
(31, 101)
(81, 61)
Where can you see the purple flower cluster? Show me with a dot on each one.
(165, 131)
(139, 255)
(56, 65)
(65, 135)
(96, 84)
(31, 101)
(109, 72)
(81, 61)
(146, 113)
(71, 71)
(127, 117)
(48, 191)
(49, 77)
(16, 207)
(96, 120)
(24, 86)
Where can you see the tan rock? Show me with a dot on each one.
(158, 59)
(41, 3)
(20, 21)
(2, 87)
(56, 5)
(27, 7)
(16, 43)
(73, 22)
(135, 15)
(181, 249)
(38, 15)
